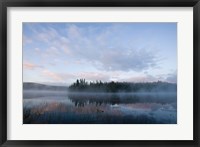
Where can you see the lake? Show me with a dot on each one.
(62, 107)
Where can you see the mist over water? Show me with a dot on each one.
(63, 107)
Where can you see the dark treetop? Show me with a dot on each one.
(81, 85)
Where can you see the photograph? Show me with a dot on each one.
(99, 72)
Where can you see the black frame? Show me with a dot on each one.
(99, 3)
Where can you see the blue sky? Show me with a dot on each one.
(60, 53)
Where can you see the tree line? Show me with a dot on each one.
(81, 85)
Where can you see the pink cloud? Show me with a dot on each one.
(57, 77)
(52, 75)
(93, 76)
(30, 66)
(141, 79)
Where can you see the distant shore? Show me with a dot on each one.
(81, 86)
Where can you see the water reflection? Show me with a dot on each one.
(112, 99)
(104, 108)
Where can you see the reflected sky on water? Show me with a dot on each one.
(104, 108)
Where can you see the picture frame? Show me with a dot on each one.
(4, 4)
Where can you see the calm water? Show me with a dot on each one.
(53, 107)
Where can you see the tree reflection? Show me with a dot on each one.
(112, 99)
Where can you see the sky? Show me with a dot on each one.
(60, 53)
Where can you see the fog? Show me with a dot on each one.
(66, 107)
(142, 96)
(42, 93)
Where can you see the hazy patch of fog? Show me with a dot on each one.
(41, 93)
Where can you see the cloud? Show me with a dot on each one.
(31, 66)
(57, 77)
(147, 77)
(103, 48)
(52, 75)
(73, 31)
(72, 77)
(26, 40)
(37, 50)
(46, 34)
(97, 50)
(128, 60)
(142, 78)
(48, 53)
(52, 51)
(93, 76)
(171, 78)
(121, 76)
